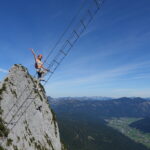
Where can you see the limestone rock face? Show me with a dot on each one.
(26, 119)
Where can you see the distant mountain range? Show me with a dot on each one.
(82, 98)
(82, 121)
(122, 107)
(85, 98)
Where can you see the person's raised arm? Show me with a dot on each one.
(35, 57)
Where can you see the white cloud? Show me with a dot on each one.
(103, 76)
(104, 82)
(3, 70)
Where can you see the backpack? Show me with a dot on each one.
(36, 66)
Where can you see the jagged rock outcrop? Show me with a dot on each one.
(26, 120)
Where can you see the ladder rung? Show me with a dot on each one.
(83, 24)
(63, 52)
(56, 61)
(69, 43)
(51, 72)
(96, 3)
(76, 33)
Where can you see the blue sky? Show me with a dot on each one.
(112, 58)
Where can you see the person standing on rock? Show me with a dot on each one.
(40, 69)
